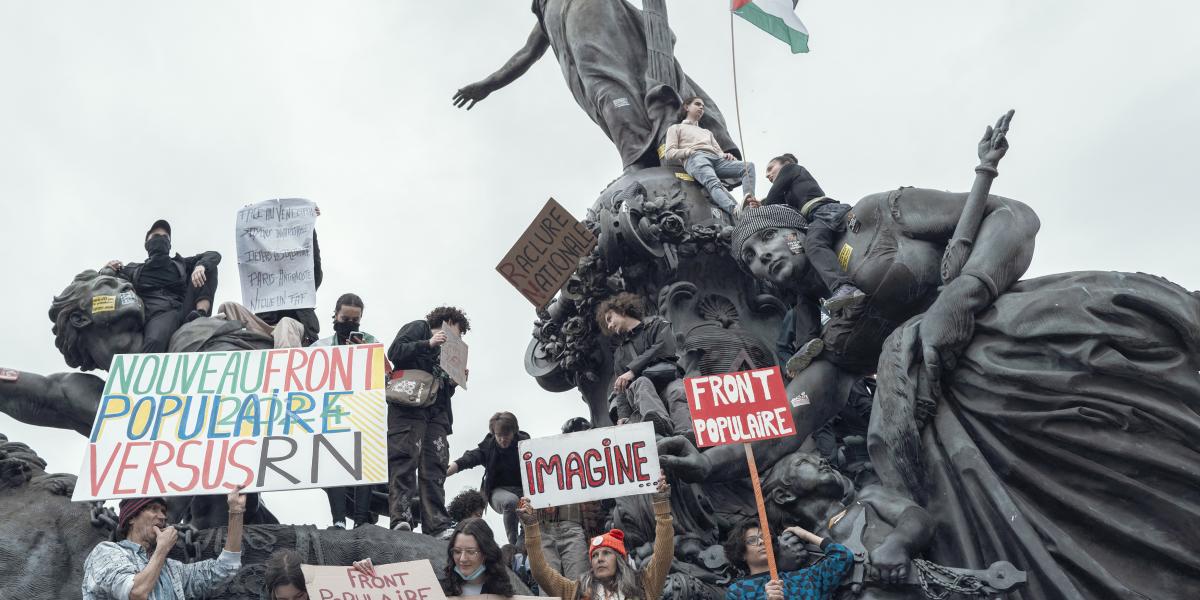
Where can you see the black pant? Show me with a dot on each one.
(418, 455)
(165, 312)
(359, 495)
(818, 246)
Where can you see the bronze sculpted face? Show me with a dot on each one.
(773, 254)
(95, 318)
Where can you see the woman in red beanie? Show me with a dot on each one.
(612, 576)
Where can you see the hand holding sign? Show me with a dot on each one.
(590, 465)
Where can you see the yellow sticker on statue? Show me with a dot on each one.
(684, 177)
(844, 256)
(104, 304)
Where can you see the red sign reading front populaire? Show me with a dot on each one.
(733, 408)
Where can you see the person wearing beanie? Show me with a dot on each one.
(134, 564)
(612, 575)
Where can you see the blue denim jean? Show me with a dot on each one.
(708, 169)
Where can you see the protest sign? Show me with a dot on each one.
(206, 422)
(453, 357)
(397, 581)
(275, 254)
(546, 256)
(590, 465)
(495, 597)
(739, 407)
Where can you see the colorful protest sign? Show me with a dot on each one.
(739, 407)
(546, 256)
(453, 357)
(275, 254)
(397, 581)
(206, 422)
(590, 465)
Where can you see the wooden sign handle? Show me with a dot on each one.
(763, 526)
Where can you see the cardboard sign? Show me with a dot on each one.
(275, 254)
(453, 357)
(546, 256)
(590, 465)
(733, 408)
(206, 422)
(398, 581)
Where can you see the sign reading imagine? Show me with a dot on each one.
(207, 422)
(590, 465)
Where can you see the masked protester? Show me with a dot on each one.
(135, 565)
(173, 289)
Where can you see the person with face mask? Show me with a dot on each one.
(173, 289)
(347, 321)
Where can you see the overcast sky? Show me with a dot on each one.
(114, 115)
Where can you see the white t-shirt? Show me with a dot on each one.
(472, 589)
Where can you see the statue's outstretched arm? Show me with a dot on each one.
(61, 400)
(516, 66)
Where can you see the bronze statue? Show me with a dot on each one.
(618, 62)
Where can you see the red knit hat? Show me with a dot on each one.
(615, 539)
(130, 507)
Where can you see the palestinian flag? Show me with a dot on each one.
(776, 17)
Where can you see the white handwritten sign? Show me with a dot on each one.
(609, 462)
(275, 254)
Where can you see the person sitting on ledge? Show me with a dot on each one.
(649, 388)
(704, 160)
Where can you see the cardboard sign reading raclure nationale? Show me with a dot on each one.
(739, 407)
(397, 581)
(453, 357)
(275, 254)
(206, 422)
(546, 256)
(590, 465)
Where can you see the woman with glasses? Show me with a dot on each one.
(746, 550)
(474, 564)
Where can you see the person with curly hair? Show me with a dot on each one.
(649, 387)
(418, 454)
(474, 562)
(747, 551)
(468, 503)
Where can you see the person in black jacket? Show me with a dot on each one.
(793, 185)
(417, 450)
(497, 454)
(649, 387)
(173, 290)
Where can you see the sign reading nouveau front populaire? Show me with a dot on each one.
(733, 408)
(413, 580)
(207, 422)
(590, 465)
(276, 254)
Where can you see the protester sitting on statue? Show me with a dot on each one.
(497, 454)
(649, 387)
(794, 186)
(417, 449)
(284, 579)
(467, 504)
(612, 574)
(747, 551)
(703, 158)
(173, 290)
(135, 565)
(306, 316)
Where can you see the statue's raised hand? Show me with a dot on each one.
(679, 456)
(469, 94)
(995, 141)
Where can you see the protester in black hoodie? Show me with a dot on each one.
(173, 290)
(417, 450)
(497, 454)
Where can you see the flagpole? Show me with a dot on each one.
(737, 105)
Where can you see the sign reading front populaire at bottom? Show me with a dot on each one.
(207, 422)
(590, 465)
(734, 408)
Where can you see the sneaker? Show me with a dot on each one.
(401, 526)
(662, 426)
(195, 314)
(844, 297)
(338, 525)
(803, 357)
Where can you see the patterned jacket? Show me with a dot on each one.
(109, 570)
(817, 582)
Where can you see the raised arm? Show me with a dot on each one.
(516, 66)
(60, 400)
(664, 541)
(552, 582)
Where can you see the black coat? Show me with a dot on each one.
(793, 186)
(132, 272)
(650, 342)
(486, 454)
(411, 350)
